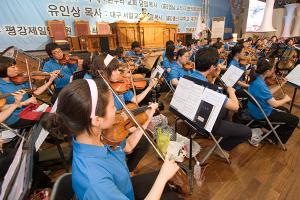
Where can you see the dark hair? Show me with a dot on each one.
(218, 45)
(74, 108)
(5, 62)
(180, 53)
(50, 47)
(169, 42)
(188, 43)
(235, 50)
(288, 40)
(230, 37)
(135, 44)
(179, 40)
(119, 51)
(262, 66)
(218, 40)
(274, 36)
(98, 65)
(205, 58)
(170, 52)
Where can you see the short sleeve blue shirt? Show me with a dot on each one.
(10, 87)
(199, 76)
(132, 53)
(177, 72)
(67, 71)
(100, 172)
(261, 92)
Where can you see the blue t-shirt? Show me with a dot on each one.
(167, 64)
(235, 63)
(67, 71)
(177, 72)
(261, 92)
(100, 172)
(132, 53)
(228, 45)
(126, 97)
(10, 87)
(199, 76)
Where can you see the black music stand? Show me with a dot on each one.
(25, 164)
(192, 125)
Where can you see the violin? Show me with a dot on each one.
(124, 83)
(3, 96)
(67, 59)
(244, 60)
(35, 75)
(189, 65)
(120, 130)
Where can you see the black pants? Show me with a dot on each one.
(6, 157)
(232, 133)
(138, 153)
(142, 185)
(284, 131)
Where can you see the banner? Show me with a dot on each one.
(23, 23)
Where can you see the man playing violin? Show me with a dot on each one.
(136, 53)
(8, 69)
(66, 70)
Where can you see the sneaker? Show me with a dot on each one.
(256, 137)
(219, 153)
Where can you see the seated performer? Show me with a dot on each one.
(54, 63)
(232, 133)
(86, 109)
(8, 70)
(177, 68)
(136, 53)
(264, 95)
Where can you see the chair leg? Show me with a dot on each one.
(62, 156)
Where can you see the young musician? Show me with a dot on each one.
(120, 54)
(8, 70)
(264, 95)
(169, 59)
(230, 43)
(99, 171)
(234, 61)
(137, 53)
(232, 133)
(177, 68)
(179, 44)
(55, 56)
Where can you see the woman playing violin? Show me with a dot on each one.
(66, 69)
(177, 70)
(8, 69)
(99, 171)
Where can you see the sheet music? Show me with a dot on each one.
(157, 72)
(232, 75)
(217, 100)
(42, 136)
(188, 96)
(294, 76)
(12, 168)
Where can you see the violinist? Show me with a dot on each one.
(99, 170)
(234, 61)
(137, 53)
(120, 54)
(179, 44)
(271, 106)
(66, 69)
(229, 44)
(169, 60)
(177, 68)
(8, 69)
(232, 133)
(223, 57)
(169, 42)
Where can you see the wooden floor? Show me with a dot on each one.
(265, 172)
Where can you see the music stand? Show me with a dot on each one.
(192, 125)
(21, 181)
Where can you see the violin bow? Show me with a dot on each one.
(28, 72)
(14, 131)
(132, 117)
(276, 78)
(132, 84)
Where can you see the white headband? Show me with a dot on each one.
(108, 59)
(94, 96)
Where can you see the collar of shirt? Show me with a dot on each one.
(3, 82)
(93, 150)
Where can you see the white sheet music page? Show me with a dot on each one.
(187, 98)
(217, 100)
(294, 76)
(232, 75)
(157, 72)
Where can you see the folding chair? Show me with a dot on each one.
(263, 122)
(62, 188)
